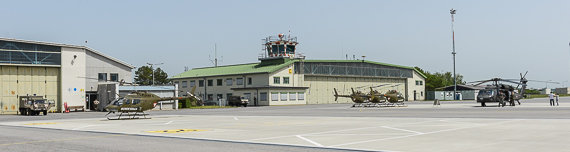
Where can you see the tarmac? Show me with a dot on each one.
(528, 127)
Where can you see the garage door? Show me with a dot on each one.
(21, 81)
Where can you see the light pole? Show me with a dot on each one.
(452, 12)
(152, 69)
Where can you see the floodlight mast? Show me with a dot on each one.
(452, 12)
(152, 69)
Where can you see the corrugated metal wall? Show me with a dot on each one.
(20, 81)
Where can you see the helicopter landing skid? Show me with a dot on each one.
(129, 116)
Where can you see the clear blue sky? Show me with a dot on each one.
(493, 38)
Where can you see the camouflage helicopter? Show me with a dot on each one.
(134, 105)
(359, 98)
(501, 93)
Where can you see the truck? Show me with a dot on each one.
(238, 101)
(34, 105)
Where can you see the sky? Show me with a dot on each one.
(493, 38)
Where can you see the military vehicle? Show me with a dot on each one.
(34, 105)
(238, 101)
(134, 104)
(394, 98)
(501, 93)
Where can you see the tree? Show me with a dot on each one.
(438, 80)
(143, 76)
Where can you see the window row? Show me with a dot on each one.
(277, 80)
(287, 96)
(219, 82)
(418, 82)
(102, 77)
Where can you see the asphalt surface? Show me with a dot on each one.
(31, 139)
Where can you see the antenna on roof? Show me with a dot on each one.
(215, 61)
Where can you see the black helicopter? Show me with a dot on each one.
(501, 93)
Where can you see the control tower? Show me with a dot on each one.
(279, 47)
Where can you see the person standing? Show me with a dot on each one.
(557, 100)
(551, 96)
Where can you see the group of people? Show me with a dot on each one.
(553, 96)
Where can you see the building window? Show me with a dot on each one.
(228, 96)
(201, 83)
(276, 80)
(274, 96)
(102, 77)
(220, 96)
(285, 80)
(292, 96)
(239, 81)
(210, 83)
(247, 96)
(249, 81)
(184, 84)
(301, 96)
(114, 77)
(283, 96)
(421, 83)
(210, 97)
(176, 82)
(422, 93)
(219, 82)
(192, 83)
(263, 96)
(229, 81)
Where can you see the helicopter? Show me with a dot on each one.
(374, 98)
(134, 104)
(501, 93)
(359, 98)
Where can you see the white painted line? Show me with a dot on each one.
(417, 132)
(168, 122)
(235, 118)
(85, 127)
(308, 140)
(445, 130)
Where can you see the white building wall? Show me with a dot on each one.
(73, 63)
(420, 89)
(99, 64)
(282, 73)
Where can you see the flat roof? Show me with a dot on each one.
(70, 46)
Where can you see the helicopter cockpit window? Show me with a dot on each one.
(119, 102)
(129, 101)
(136, 101)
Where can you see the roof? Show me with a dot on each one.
(147, 88)
(251, 68)
(71, 46)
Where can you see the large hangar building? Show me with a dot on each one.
(284, 78)
(59, 72)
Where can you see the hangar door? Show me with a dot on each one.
(21, 81)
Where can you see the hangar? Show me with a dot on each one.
(66, 74)
(283, 77)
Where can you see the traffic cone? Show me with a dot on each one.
(66, 108)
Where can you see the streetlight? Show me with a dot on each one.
(152, 69)
(452, 12)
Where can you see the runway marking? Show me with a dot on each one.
(176, 131)
(308, 140)
(168, 122)
(276, 137)
(86, 127)
(56, 140)
(235, 118)
(46, 123)
(403, 130)
(433, 132)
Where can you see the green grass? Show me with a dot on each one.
(209, 107)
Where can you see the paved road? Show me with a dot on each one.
(21, 139)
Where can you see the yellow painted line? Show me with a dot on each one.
(46, 123)
(57, 140)
(176, 131)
